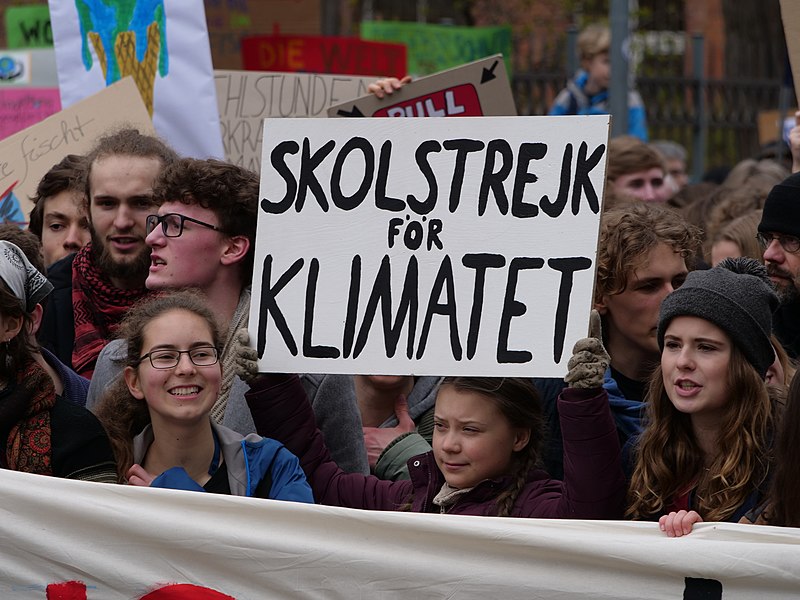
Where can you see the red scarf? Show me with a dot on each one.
(98, 307)
(29, 446)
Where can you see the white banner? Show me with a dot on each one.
(427, 246)
(71, 540)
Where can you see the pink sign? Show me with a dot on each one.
(23, 107)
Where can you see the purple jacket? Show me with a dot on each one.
(593, 486)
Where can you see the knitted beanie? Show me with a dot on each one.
(736, 297)
(782, 208)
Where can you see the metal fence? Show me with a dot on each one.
(727, 109)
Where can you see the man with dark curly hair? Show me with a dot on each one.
(202, 235)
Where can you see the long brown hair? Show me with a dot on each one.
(784, 495)
(122, 415)
(669, 460)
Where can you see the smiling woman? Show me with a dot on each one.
(704, 452)
(158, 414)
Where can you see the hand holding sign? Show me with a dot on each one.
(377, 438)
(676, 524)
(589, 360)
(388, 85)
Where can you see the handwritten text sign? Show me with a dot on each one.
(26, 156)
(427, 246)
(29, 26)
(246, 98)
(433, 48)
(323, 54)
(476, 89)
(23, 107)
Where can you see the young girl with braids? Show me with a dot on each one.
(704, 453)
(486, 447)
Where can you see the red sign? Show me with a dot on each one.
(458, 101)
(322, 54)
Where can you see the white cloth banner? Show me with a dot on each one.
(59, 538)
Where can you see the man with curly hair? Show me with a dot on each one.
(645, 251)
(202, 235)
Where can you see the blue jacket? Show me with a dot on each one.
(248, 459)
(573, 100)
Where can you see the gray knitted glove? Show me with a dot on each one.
(589, 361)
(245, 357)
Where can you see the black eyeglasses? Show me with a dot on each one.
(789, 243)
(172, 224)
(201, 356)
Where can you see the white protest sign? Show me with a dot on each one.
(62, 539)
(246, 98)
(427, 246)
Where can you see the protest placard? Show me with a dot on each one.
(163, 45)
(28, 26)
(427, 246)
(433, 48)
(26, 156)
(23, 107)
(323, 54)
(790, 15)
(476, 89)
(74, 540)
(230, 20)
(246, 98)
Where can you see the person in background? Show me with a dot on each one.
(738, 238)
(107, 275)
(43, 425)
(644, 253)
(58, 217)
(635, 170)
(587, 92)
(779, 235)
(675, 157)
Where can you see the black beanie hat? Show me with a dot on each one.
(736, 297)
(782, 208)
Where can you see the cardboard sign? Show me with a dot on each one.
(433, 48)
(26, 156)
(790, 14)
(246, 98)
(23, 107)
(478, 89)
(230, 20)
(29, 26)
(427, 246)
(772, 127)
(323, 54)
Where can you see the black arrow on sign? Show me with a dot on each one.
(488, 74)
(353, 113)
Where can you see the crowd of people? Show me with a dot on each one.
(125, 357)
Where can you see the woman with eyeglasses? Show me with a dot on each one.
(158, 415)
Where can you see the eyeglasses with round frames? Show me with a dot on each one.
(172, 224)
(789, 243)
(201, 356)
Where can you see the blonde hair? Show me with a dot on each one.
(594, 39)
(742, 232)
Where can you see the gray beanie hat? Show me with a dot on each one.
(736, 297)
